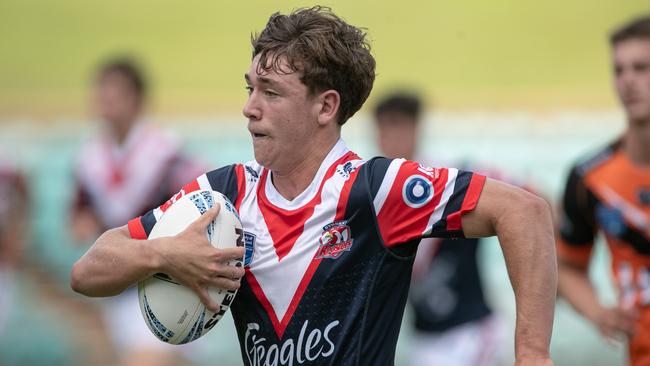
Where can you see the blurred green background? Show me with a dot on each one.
(519, 85)
(466, 54)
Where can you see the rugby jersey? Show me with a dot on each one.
(608, 193)
(327, 274)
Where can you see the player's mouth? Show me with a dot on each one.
(258, 135)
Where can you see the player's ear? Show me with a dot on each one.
(328, 106)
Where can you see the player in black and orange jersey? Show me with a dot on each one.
(610, 193)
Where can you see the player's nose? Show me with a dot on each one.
(251, 109)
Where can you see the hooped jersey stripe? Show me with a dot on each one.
(414, 201)
(386, 184)
(472, 195)
(136, 229)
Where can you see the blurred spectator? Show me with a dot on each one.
(127, 168)
(454, 324)
(25, 325)
(13, 232)
(609, 193)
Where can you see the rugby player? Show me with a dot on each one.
(330, 237)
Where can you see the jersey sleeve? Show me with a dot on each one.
(228, 180)
(413, 201)
(577, 228)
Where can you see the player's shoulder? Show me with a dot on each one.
(596, 159)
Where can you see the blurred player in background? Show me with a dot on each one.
(331, 237)
(128, 167)
(610, 193)
(454, 324)
(13, 233)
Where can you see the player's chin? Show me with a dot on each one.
(638, 113)
(262, 154)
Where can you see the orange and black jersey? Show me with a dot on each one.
(609, 194)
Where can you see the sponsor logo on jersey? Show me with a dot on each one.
(310, 347)
(431, 172)
(249, 243)
(644, 196)
(172, 200)
(336, 239)
(345, 170)
(253, 174)
(611, 220)
(417, 191)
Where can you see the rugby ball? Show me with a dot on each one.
(173, 312)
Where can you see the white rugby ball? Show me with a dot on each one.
(173, 312)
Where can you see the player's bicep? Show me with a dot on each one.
(494, 200)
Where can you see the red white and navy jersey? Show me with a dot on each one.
(327, 274)
(118, 182)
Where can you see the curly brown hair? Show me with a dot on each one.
(327, 52)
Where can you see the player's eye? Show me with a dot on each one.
(641, 67)
(249, 89)
(618, 70)
(271, 93)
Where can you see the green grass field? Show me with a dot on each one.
(462, 54)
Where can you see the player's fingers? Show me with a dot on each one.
(207, 217)
(205, 298)
(229, 271)
(227, 254)
(225, 283)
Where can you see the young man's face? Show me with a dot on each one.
(115, 101)
(397, 133)
(282, 117)
(632, 77)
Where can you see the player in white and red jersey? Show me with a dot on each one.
(126, 168)
(330, 237)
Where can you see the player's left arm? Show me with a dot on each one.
(522, 221)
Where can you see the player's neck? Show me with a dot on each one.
(637, 143)
(293, 181)
(120, 129)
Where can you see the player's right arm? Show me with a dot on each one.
(575, 239)
(117, 260)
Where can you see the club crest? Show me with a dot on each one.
(336, 239)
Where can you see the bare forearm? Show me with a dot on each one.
(522, 221)
(526, 236)
(575, 287)
(113, 263)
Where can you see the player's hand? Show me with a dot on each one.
(191, 260)
(84, 226)
(615, 324)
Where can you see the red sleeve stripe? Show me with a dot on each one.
(446, 194)
(241, 185)
(387, 184)
(469, 202)
(136, 229)
(190, 187)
